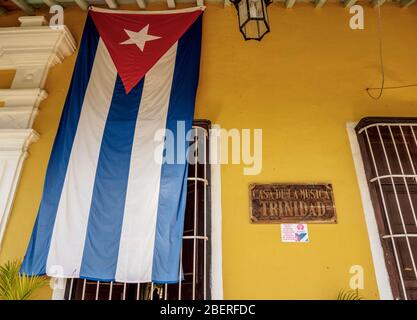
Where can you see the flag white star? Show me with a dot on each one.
(139, 38)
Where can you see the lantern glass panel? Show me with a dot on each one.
(243, 12)
(255, 9)
(253, 18)
(254, 29)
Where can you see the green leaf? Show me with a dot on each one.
(14, 286)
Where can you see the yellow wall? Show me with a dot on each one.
(301, 85)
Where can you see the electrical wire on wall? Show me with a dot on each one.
(381, 61)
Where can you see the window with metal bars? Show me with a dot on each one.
(196, 248)
(389, 151)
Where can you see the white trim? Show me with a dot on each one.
(216, 221)
(58, 288)
(381, 271)
(22, 97)
(34, 47)
(21, 107)
(31, 50)
(13, 152)
(97, 9)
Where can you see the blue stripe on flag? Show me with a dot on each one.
(173, 189)
(38, 249)
(104, 227)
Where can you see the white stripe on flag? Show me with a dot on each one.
(139, 221)
(67, 243)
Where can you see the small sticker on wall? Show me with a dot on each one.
(296, 232)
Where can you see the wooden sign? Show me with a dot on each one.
(292, 203)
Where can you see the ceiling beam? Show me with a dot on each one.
(377, 3)
(406, 3)
(27, 8)
(112, 4)
(171, 4)
(141, 4)
(349, 3)
(82, 4)
(289, 3)
(320, 3)
(50, 3)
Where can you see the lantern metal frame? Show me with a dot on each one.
(265, 17)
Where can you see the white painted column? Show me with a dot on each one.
(31, 49)
(13, 151)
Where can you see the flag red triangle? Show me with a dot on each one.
(136, 41)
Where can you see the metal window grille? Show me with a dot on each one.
(389, 152)
(196, 248)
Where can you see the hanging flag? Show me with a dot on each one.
(111, 209)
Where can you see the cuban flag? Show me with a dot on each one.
(112, 209)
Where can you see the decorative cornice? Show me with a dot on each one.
(31, 50)
(17, 117)
(34, 45)
(13, 151)
(20, 108)
(22, 97)
(16, 141)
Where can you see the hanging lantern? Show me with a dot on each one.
(253, 18)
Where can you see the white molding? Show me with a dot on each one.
(14, 140)
(17, 117)
(20, 108)
(22, 97)
(34, 46)
(13, 151)
(31, 50)
(381, 271)
(58, 288)
(192, 9)
(30, 77)
(216, 218)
